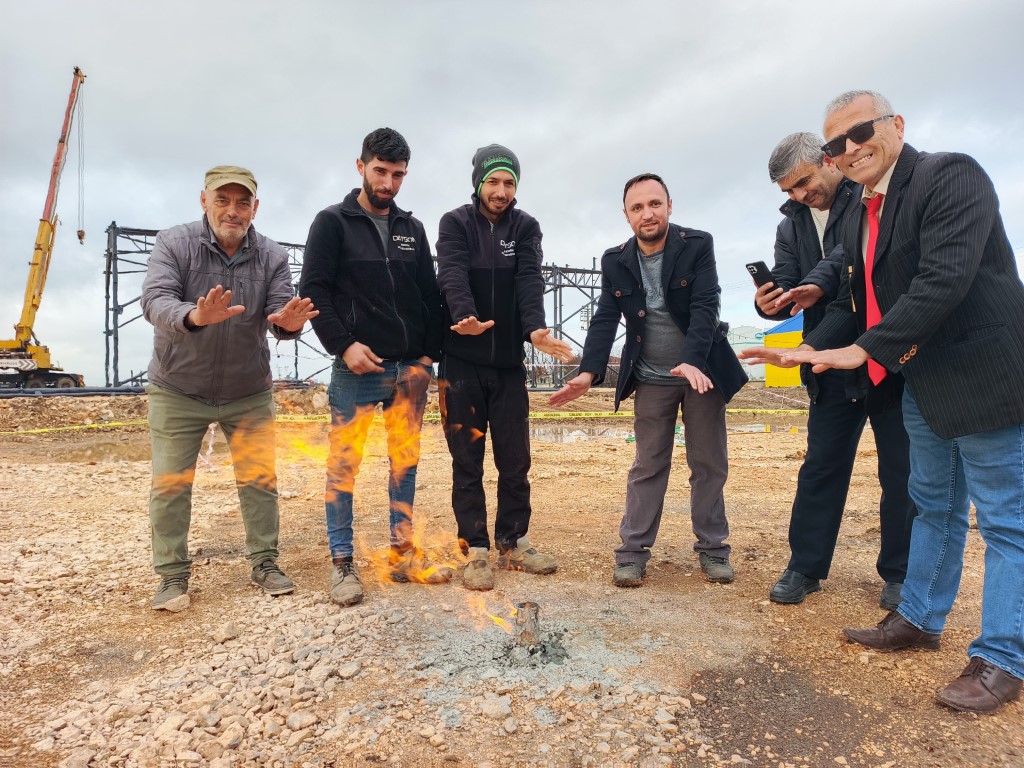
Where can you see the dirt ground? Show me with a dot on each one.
(763, 684)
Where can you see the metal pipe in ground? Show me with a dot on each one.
(527, 624)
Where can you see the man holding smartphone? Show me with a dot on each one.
(807, 275)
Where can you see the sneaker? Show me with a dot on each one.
(717, 568)
(172, 595)
(478, 573)
(346, 586)
(526, 558)
(412, 566)
(271, 579)
(628, 575)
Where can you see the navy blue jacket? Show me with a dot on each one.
(693, 296)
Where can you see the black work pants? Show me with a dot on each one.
(473, 398)
(834, 428)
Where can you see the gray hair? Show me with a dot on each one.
(793, 150)
(843, 100)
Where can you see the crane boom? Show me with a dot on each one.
(40, 264)
(30, 362)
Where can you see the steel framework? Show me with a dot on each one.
(570, 294)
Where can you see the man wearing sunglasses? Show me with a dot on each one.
(935, 294)
(807, 272)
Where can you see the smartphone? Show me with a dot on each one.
(760, 272)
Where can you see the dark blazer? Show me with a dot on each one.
(800, 259)
(951, 298)
(693, 297)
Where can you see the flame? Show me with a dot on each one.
(480, 615)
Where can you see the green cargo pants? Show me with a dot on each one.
(177, 425)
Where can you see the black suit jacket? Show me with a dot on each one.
(951, 299)
(690, 281)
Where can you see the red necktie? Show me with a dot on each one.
(875, 371)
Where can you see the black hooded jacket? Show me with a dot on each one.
(491, 272)
(385, 299)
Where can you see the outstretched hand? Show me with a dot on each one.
(697, 378)
(293, 315)
(573, 388)
(470, 326)
(215, 307)
(802, 297)
(549, 345)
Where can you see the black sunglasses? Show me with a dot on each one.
(858, 135)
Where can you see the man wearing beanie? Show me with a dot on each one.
(489, 259)
(213, 290)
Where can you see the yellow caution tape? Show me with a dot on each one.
(76, 427)
(430, 418)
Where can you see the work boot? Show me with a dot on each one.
(894, 633)
(346, 586)
(628, 575)
(981, 687)
(717, 568)
(478, 574)
(271, 579)
(525, 558)
(410, 565)
(172, 595)
(892, 596)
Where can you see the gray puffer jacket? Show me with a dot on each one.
(227, 361)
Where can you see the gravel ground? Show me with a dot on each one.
(680, 672)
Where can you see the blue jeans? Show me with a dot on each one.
(945, 475)
(402, 390)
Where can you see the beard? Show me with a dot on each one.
(380, 203)
(653, 236)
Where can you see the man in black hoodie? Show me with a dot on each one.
(368, 264)
(489, 260)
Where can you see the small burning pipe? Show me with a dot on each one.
(527, 625)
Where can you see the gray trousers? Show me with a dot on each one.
(177, 425)
(656, 407)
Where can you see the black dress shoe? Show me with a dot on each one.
(892, 596)
(894, 633)
(981, 687)
(792, 588)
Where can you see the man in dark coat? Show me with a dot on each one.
(664, 282)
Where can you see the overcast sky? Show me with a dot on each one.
(587, 94)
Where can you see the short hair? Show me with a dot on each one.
(793, 150)
(645, 177)
(386, 144)
(843, 100)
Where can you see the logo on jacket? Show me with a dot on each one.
(405, 242)
(509, 248)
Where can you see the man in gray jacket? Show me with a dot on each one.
(211, 364)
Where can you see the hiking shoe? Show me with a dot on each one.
(526, 558)
(717, 568)
(412, 566)
(346, 586)
(628, 575)
(478, 573)
(172, 595)
(271, 578)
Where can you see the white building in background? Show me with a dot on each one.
(742, 337)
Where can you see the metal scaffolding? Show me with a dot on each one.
(570, 296)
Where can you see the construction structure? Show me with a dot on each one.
(570, 297)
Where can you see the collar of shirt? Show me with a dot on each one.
(882, 188)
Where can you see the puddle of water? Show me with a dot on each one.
(553, 433)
